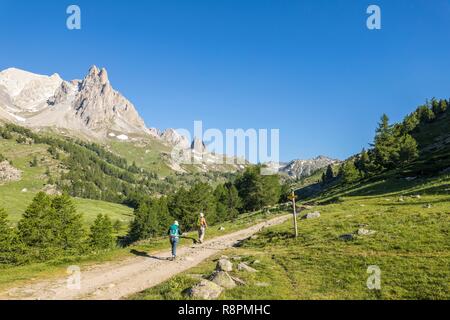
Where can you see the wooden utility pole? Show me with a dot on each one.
(292, 197)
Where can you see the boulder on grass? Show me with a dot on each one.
(238, 281)
(312, 215)
(222, 279)
(206, 290)
(8, 173)
(224, 265)
(365, 232)
(262, 284)
(244, 267)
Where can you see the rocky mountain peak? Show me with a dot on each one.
(303, 168)
(28, 91)
(93, 70)
(100, 107)
(198, 145)
(172, 137)
(90, 105)
(95, 77)
(103, 75)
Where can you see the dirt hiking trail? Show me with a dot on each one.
(116, 280)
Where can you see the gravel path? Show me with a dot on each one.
(116, 280)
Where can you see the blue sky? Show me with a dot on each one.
(310, 68)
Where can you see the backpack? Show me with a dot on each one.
(173, 231)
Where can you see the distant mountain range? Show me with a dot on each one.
(91, 108)
(298, 169)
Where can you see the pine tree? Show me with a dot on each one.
(228, 202)
(67, 224)
(36, 230)
(348, 172)
(250, 188)
(425, 114)
(221, 208)
(410, 122)
(285, 193)
(323, 178)
(151, 218)
(435, 106)
(5, 230)
(272, 189)
(162, 214)
(329, 175)
(101, 236)
(35, 227)
(186, 205)
(142, 225)
(256, 190)
(408, 149)
(443, 106)
(117, 226)
(234, 202)
(386, 146)
(363, 163)
(7, 243)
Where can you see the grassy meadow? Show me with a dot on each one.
(17, 195)
(19, 275)
(410, 246)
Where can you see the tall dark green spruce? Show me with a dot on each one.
(385, 145)
(67, 224)
(151, 218)
(7, 240)
(36, 227)
(102, 234)
(364, 163)
(186, 205)
(228, 202)
(393, 146)
(51, 227)
(328, 175)
(348, 172)
(408, 149)
(256, 190)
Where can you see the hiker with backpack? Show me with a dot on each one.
(202, 225)
(174, 236)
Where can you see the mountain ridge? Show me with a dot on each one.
(300, 168)
(93, 109)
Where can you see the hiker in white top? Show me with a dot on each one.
(202, 225)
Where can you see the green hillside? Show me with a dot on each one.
(17, 195)
(147, 155)
(386, 208)
(410, 246)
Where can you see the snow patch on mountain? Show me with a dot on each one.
(122, 137)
